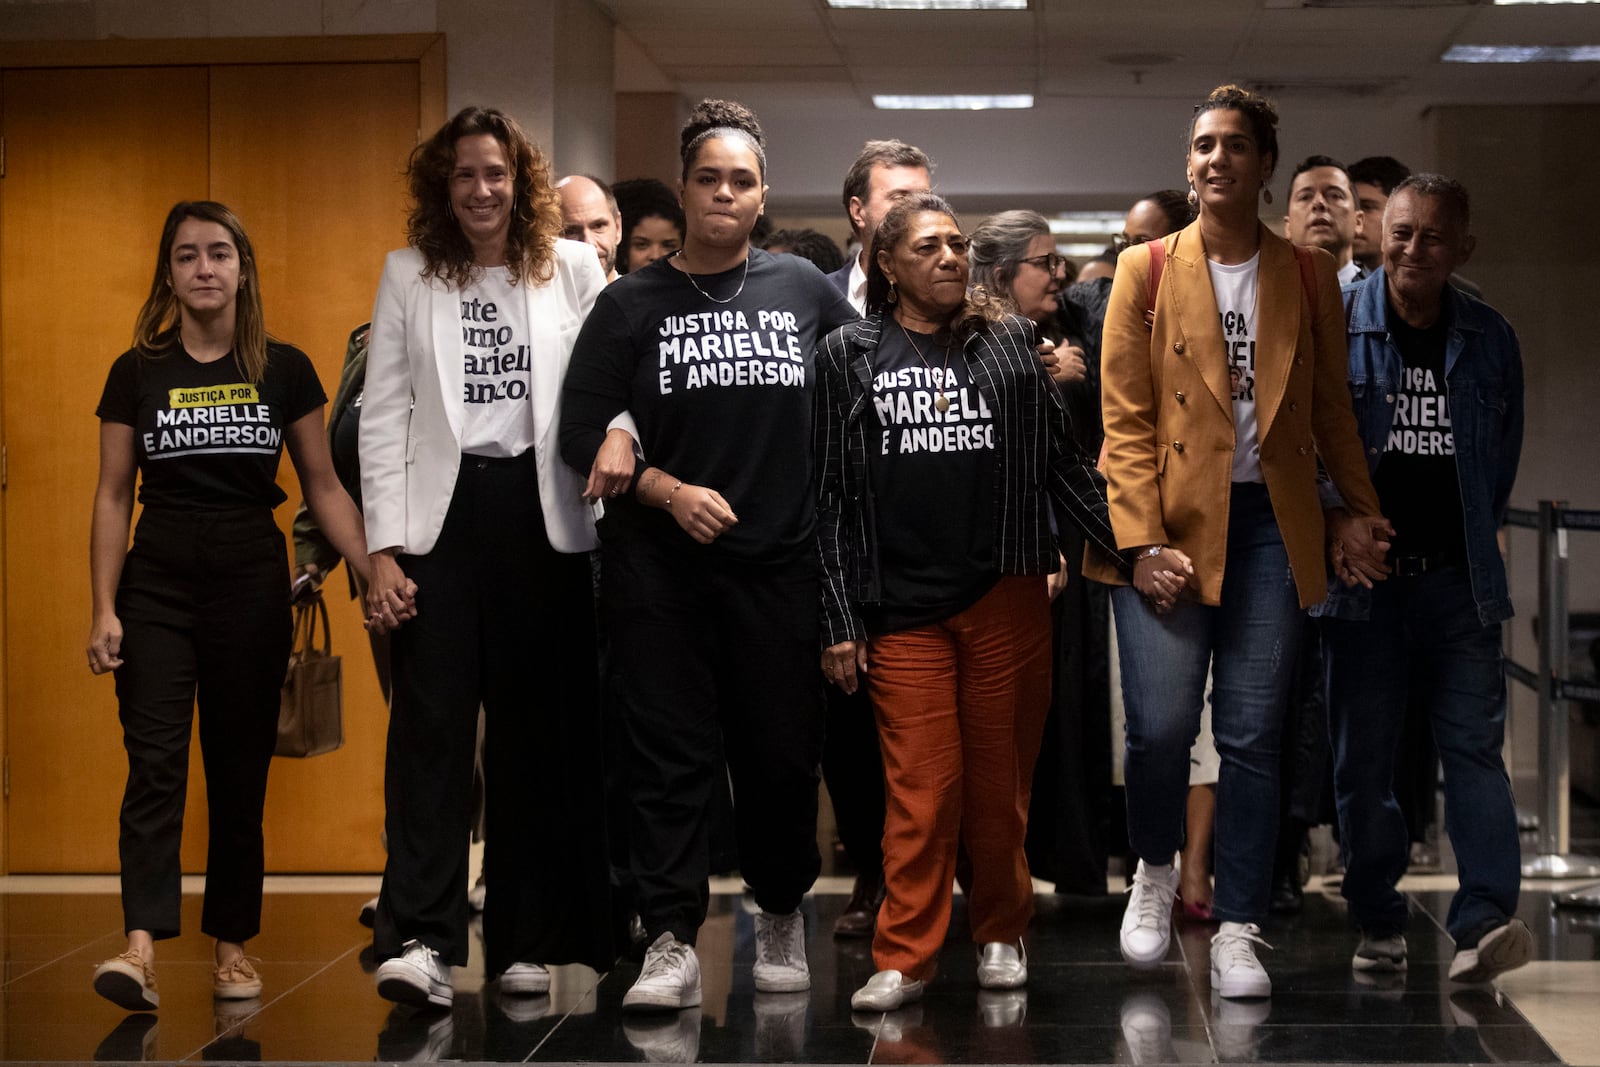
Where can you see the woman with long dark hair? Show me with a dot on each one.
(708, 566)
(197, 611)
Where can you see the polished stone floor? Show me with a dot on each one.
(1082, 1005)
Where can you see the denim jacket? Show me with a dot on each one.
(1483, 377)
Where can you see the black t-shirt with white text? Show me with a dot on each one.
(932, 474)
(205, 438)
(717, 372)
(1416, 477)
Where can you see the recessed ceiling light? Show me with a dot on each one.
(951, 102)
(932, 5)
(1522, 53)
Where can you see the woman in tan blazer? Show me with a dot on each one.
(1221, 389)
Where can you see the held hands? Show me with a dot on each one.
(105, 643)
(612, 472)
(1065, 364)
(1056, 583)
(1161, 577)
(843, 663)
(391, 596)
(702, 512)
(1357, 545)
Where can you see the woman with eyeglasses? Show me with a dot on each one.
(1162, 212)
(1014, 261)
(1224, 381)
(941, 446)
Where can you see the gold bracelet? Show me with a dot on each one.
(668, 505)
(1149, 552)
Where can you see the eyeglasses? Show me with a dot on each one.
(1122, 242)
(1050, 262)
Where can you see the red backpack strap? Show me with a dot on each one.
(1308, 277)
(1158, 263)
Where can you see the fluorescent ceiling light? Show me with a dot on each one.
(951, 102)
(1522, 53)
(1547, 2)
(1080, 222)
(932, 5)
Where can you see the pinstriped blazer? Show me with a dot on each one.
(1037, 458)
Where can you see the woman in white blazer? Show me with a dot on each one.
(466, 498)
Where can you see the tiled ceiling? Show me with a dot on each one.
(1114, 48)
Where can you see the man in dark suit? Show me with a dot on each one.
(882, 174)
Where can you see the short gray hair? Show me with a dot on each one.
(1000, 245)
(1449, 192)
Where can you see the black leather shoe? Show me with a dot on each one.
(860, 916)
(1287, 895)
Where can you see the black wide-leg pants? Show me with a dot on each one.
(506, 621)
(204, 605)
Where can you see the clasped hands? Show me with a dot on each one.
(391, 596)
(1357, 545)
(1161, 577)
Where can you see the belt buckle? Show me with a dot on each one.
(1412, 566)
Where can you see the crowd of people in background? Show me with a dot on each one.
(665, 517)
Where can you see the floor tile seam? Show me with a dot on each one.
(593, 991)
(58, 959)
(1194, 991)
(356, 948)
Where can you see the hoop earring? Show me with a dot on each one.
(1266, 195)
(893, 296)
(979, 296)
(1194, 197)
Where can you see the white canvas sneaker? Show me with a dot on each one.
(781, 954)
(669, 979)
(1235, 971)
(417, 976)
(1147, 923)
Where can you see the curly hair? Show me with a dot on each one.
(998, 247)
(155, 332)
(972, 315)
(718, 118)
(535, 204)
(1257, 110)
(813, 245)
(643, 198)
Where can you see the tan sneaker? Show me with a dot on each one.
(128, 982)
(236, 981)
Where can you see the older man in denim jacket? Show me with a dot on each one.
(1436, 379)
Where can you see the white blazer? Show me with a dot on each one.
(412, 408)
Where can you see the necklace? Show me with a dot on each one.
(942, 399)
(742, 279)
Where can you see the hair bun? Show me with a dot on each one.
(718, 115)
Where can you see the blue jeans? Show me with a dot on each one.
(1424, 635)
(1249, 641)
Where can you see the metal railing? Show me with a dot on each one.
(1554, 687)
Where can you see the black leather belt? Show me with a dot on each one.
(1413, 566)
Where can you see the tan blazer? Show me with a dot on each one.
(1168, 410)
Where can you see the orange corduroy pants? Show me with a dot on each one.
(961, 706)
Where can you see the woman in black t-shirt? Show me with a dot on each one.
(708, 577)
(941, 442)
(198, 609)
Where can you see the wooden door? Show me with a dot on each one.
(310, 157)
(94, 159)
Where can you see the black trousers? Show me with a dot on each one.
(709, 646)
(506, 621)
(852, 765)
(204, 604)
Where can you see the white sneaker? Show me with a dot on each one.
(781, 953)
(1147, 924)
(1235, 971)
(417, 976)
(669, 979)
(525, 980)
(1506, 947)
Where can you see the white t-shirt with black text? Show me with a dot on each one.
(1236, 290)
(497, 417)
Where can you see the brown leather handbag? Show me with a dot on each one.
(311, 709)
